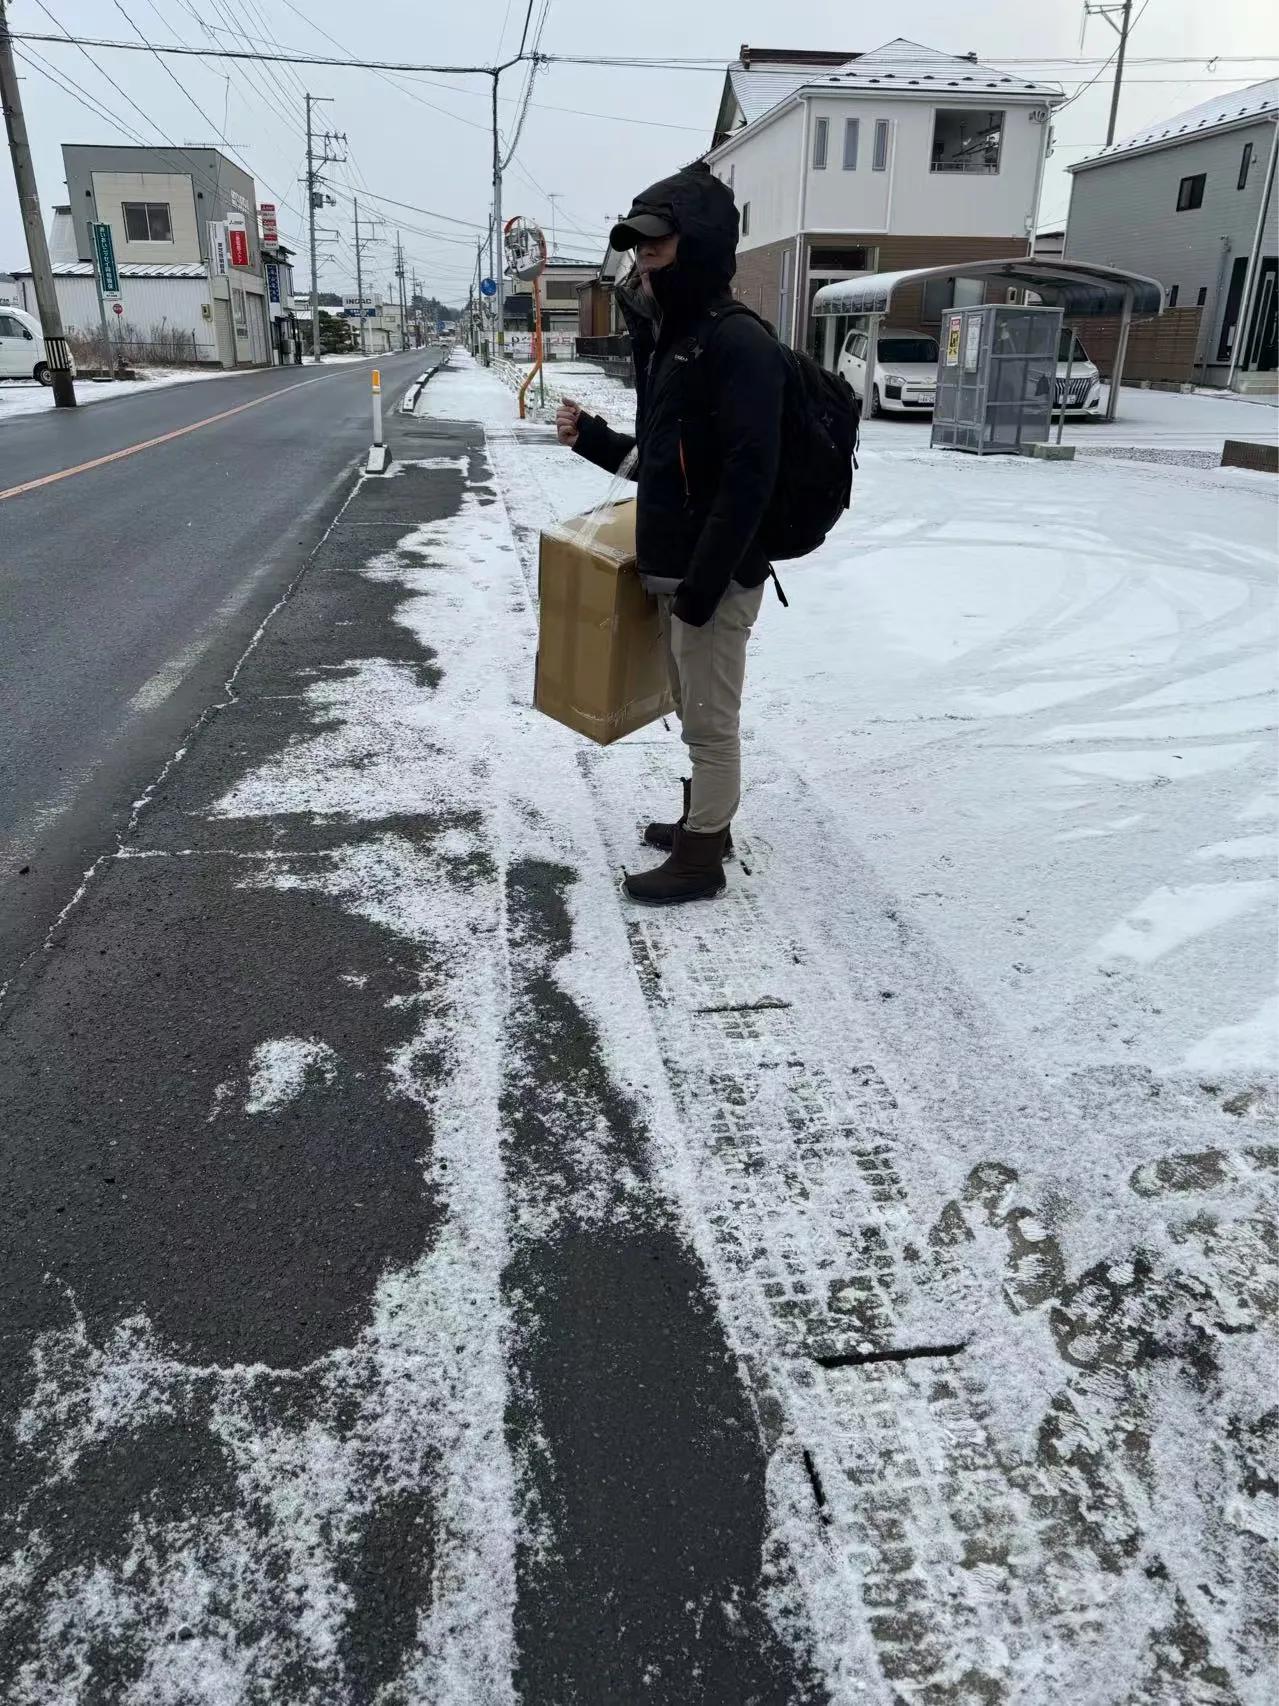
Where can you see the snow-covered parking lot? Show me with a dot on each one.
(999, 1076)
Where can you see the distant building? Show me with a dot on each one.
(1190, 201)
(902, 157)
(559, 284)
(10, 295)
(1051, 245)
(176, 207)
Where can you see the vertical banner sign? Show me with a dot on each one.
(237, 239)
(266, 217)
(104, 261)
(217, 249)
(272, 282)
(953, 325)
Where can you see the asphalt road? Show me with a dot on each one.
(129, 589)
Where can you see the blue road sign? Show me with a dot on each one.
(488, 287)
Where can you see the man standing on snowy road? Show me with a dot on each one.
(709, 392)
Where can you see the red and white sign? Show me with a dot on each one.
(237, 236)
(270, 230)
(117, 307)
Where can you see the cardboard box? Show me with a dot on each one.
(601, 664)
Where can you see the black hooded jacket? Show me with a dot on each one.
(708, 411)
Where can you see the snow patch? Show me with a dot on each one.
(281, 1069)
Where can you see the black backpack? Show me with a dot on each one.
(820, 422)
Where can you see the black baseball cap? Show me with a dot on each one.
(638, 224)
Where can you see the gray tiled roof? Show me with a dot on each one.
(1259, 100)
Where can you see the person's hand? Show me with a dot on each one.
(566, 417)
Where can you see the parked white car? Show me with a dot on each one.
(22, 347)
(906, 373)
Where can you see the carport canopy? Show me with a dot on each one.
(1082, 289)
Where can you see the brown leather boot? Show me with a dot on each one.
(694, 871)
(662, 835)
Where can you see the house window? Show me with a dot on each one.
(561, 290)
(239, 312)
(1202, 296)
(1190, 192)
(147, 222)
(821, 134)
(965, 140)
(850, 144)
(879, 158)
(746, 219)
(1172, 295)
(1245, 161)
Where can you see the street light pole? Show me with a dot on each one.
(55, 343)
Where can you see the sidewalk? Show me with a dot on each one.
(431, 1276)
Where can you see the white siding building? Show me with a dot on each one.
(902, 157)
(168, 311)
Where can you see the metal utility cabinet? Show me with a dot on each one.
(996, 377)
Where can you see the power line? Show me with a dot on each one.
(287, 58)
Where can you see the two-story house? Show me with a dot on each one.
(179, 207)
(898, 158)
(1190, 201)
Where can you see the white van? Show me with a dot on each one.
(22, 347)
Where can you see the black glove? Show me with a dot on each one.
(691, 608)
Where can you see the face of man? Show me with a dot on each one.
(653, 253)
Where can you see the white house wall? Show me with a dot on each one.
(764, 171)
(173, 303)
(908, 196)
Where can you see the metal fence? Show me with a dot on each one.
(127, 345)
(613, 354)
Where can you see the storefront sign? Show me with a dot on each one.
(237, 239)
(217, 248)
(270, 229)
(272, 282)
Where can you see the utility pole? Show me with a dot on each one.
(55, 343)
(496, 256)
(361, 243)
(553, 196)
(399, 274)
(1105, 9)
(359, 276)
(314, 199)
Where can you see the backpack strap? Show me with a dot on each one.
(695, 348)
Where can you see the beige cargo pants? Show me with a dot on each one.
(707, 668)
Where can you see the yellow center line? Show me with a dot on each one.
(150, 443)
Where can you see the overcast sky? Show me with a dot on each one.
(593, 133)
